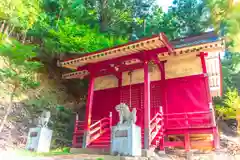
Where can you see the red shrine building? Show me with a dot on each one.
(171, 85)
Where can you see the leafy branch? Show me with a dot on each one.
(18, 72)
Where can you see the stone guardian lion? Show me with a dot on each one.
(125, 116)
(43, 120)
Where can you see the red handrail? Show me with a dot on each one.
(156, 115)
(203, 112)
(78, 131)
(189, 119)
(156, 126)
(99, 128)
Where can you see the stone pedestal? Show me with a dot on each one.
(39, 139)
(126, 140)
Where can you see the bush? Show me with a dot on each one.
(226, 108)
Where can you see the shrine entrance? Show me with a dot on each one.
(169, 88)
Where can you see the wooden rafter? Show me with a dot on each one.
(155, 42)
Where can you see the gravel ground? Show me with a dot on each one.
(229, 150)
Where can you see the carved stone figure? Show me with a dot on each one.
(44, 119)
(125, 116)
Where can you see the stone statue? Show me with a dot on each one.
(126, 135)
(125, 116)
(39, 138)
(44, 119)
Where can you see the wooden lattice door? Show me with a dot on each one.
(136, 98)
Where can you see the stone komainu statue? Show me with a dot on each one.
(125, 116)
(44, 119)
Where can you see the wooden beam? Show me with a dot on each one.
(165, 41)
(122, 68)
(120, 60)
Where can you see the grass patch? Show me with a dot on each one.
(60, 151)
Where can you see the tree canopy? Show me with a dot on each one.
(226, 19)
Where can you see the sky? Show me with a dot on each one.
(165, 4)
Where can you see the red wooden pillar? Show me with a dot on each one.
(204, 70)
(89, 109)
(146, 106)
(163, 78)
(216, 143)
(187, 141)
(216, 140)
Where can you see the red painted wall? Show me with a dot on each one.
(188, 94)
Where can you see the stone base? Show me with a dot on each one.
(161, 152)
(189, 155)
(148, 152)
(134, 158)
(39, 139)
(126, 140)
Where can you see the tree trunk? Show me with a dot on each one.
(9, 34)
(6, 30)
(24, 37)
(103, 15)
(2, 26)
(3, 122)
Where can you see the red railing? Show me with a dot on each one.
(78, 133)
(96, 130)
(156, 128)
(99, 128)
(189, 120)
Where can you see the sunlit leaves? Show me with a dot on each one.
(231, 103)
(70, 37)
(225, 17)
(184, 18)
(20, 13)
(18, 70)
(190, 16)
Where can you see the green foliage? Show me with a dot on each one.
(229, 105)
(61, 121)
(18, 71)
(70, 37)
(191, 16)
(53, 152)
(159, 21)
(184, 18)
(63, 127)
(62, 124)
(231, 71)
(225, 17)
(20, 13)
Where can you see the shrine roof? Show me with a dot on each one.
(202, 38)
(138, 46)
